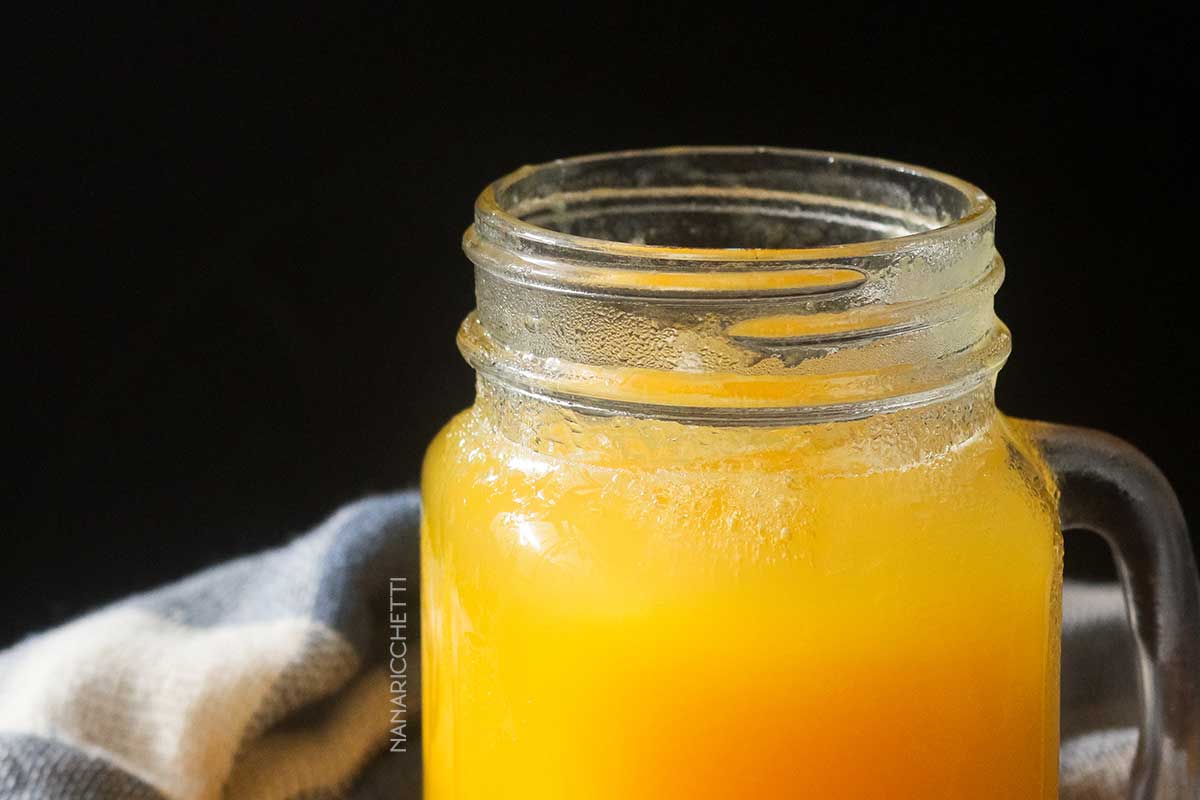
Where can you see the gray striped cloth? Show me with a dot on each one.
(292, 674)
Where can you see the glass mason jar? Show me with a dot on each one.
(735, 515)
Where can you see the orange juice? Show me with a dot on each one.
(627, 608)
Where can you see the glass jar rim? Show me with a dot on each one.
(734, 285)
(532, 238)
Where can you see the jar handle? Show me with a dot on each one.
(1109, 487)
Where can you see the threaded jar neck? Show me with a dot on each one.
(734, 285)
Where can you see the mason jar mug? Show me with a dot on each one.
(735, 515)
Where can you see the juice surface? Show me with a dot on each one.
(635, 609)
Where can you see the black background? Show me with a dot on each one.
(236, 240)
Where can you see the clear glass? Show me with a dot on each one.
(735, 515)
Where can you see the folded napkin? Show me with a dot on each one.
(293, 674)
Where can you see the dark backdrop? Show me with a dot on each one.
(236, 276)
